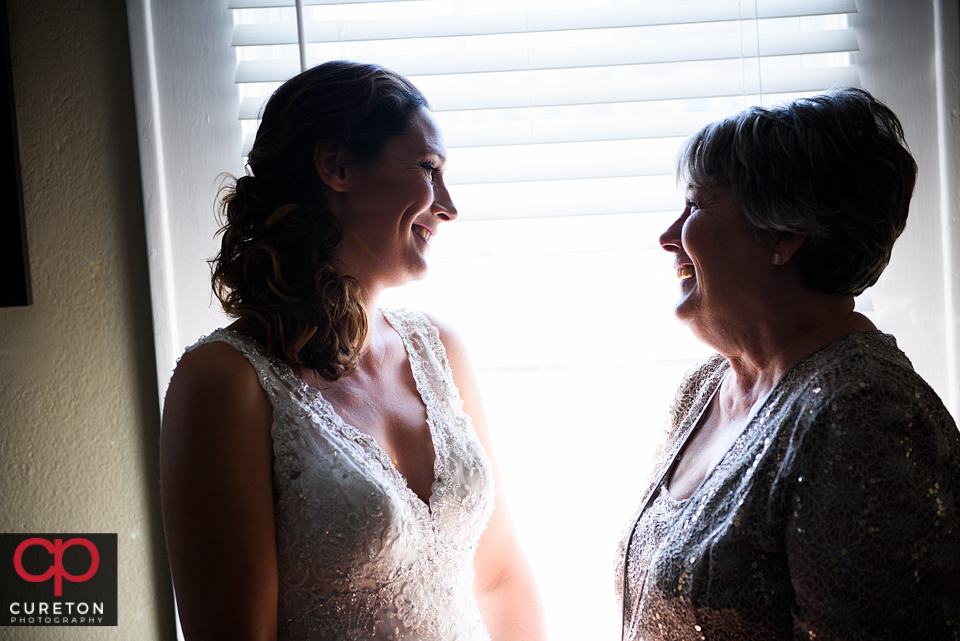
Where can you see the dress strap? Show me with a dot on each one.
(276, 377)
(450, 426)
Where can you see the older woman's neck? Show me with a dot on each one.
(783, 335)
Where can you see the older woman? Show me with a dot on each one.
(809, 485)
(322, 476)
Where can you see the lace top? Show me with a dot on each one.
(835, 514)
(360, 555)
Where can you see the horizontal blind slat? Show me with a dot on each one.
(656, 51)
(663, 13)
(505, 23)
(529, 129)
(480, 91)
(494, 201)
(524, 89)
(275, 4)
(267, 70)
(793, 8)
(622, 123)
(766, 8)
(562, 161)
(569, 235)
(787, 44)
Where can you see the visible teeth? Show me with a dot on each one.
(685, 272)
(422, 233)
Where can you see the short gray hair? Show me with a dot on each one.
(834, 166)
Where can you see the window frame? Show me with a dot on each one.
(187, 107)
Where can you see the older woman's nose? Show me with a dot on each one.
(670, 239)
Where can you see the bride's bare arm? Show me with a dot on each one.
(216, 455)
(504, 585)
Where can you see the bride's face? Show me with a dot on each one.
(394, 206)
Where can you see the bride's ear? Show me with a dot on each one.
(329, 161)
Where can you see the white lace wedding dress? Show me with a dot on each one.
(360, 555)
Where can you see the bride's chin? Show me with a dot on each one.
(410, 275)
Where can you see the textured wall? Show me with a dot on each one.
(79, 420)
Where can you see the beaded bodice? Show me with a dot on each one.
(360, 555)
(835, 514)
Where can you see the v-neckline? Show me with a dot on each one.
(697, 424)
(372, 446)
(423, 390)
(754, 413)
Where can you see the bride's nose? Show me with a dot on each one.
(443, 204)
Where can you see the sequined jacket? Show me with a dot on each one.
(835, 515)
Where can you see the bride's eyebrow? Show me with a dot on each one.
(431, 151)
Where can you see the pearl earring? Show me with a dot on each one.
(776, 259)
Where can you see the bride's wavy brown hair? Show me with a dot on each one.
(277, 264)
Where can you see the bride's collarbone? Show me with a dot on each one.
(389, 409)
(385, 399)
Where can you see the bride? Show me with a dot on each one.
(325, 464)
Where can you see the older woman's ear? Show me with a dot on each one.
(785, 248)
(330, 161)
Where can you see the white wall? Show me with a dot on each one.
(906, 54)
(187, 106)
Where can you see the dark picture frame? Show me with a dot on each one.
(15, 287)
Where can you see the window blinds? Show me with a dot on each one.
(493, 55)
(561, 109)
(562, 119)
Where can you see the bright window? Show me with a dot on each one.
(562, 120)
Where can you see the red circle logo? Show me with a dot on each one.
(56, 570)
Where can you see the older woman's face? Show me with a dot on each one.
(718, 258)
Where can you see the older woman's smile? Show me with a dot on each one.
(717, 257)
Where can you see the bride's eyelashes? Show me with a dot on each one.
(430, 168)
